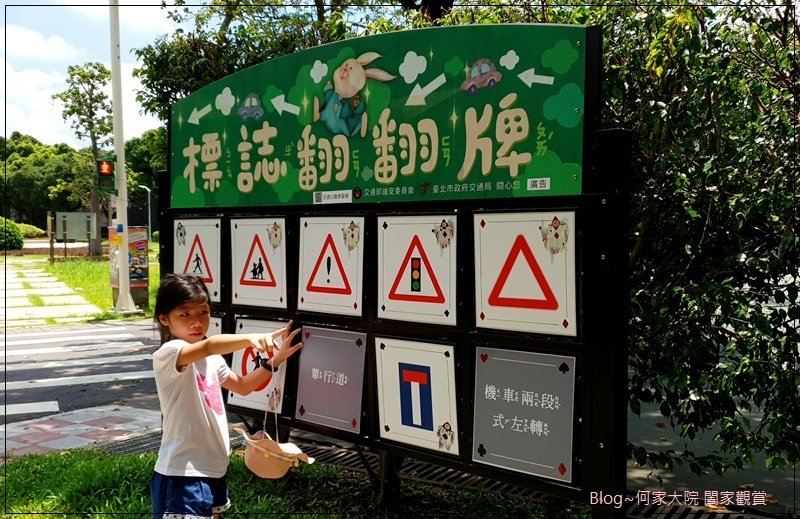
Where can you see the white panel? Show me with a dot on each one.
(243, 363)
(417, 394)
(525, 272)
(331, 265)
(258, 259)
(417, 269)
(196, 252)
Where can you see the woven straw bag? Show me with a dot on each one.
(267, 458)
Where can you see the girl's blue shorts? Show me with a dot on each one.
(186, 497)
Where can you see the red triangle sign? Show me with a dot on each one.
(199, 261)
(256, 273)
(416, 244)
(345, 290)
(495, 299)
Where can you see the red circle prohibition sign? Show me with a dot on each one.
(248, 359)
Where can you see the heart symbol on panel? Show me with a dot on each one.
(484, 357)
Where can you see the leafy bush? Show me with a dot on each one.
(31, 231)
(10, 235)
(155, 237)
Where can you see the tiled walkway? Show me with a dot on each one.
(80, 428)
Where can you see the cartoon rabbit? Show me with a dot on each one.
(344, 110)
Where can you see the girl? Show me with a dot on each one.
(189, 479)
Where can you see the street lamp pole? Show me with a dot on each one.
(149, 229)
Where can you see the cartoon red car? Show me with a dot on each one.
(482, 73)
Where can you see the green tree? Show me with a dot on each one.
(88, 109)
(229, 35)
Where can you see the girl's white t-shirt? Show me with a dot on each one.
(195, 439)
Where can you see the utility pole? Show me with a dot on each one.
(124, 300)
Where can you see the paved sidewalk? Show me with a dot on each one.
(34, 298)
(79, 428)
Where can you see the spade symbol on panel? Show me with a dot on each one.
(563, 368)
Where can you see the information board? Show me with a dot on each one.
(440, 114)
(196, 251)
(524, 412)
(258, 258)
(331, 378)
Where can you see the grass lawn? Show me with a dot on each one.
(116, 484)
(91, 279)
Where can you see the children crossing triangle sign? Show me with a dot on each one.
(332, 279)
(546, 302)
(256, 266)
(196, 262)
(416, 272)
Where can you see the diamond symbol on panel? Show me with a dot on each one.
(483, 316)
(565, 323)
(562, 469)
(354, 423)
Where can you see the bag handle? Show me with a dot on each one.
(266, 406)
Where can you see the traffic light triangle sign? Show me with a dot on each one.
(197, 256)
(257, 271)
(416, 245)
(549, 302)
(312, 287)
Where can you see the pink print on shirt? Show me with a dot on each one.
(211, 391)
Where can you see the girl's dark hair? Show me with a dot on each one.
(176, 290)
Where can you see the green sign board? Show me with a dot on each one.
(456, 113)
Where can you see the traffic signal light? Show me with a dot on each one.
(415, 275)
(105, 175)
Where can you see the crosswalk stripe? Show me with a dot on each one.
(61, 333)
(56, 364)
(70, 349)
(34, 407)
(77, 380)
(40, 340)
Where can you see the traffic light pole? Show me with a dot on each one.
(124, 300)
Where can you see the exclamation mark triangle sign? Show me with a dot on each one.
(495, 299)
(311, 286)
(198, 262)
(254, 275)
(416, 245)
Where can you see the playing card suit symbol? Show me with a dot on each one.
(562, 469)
(481, 450)
(563, 368)
(447, 313)
(383, 346)
(236, 226)
(354, 423)
(355, 306)
(385, 225)
(281, 299)
(483, 224)
(483, 316)
(302, 410)
(359, 343)
(386, 428)
(447, 354)
(383, 308)
(484, 357)
(236, 294)
(565, 323)
(302, 299)
(305, 224)
(308, 334)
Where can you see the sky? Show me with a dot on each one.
(40, 39)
